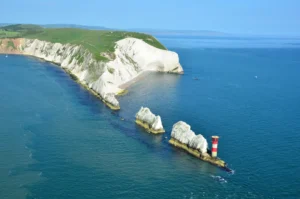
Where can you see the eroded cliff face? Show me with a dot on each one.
(131, 57)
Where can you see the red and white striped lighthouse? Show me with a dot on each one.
(214, 149)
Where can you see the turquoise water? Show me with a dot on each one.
(59, 141)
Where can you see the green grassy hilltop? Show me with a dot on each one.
(96, 41)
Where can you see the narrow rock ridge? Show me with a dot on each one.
(132, 57)
(182, 132)
(149, 121)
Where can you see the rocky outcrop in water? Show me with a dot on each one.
(184, 138)
(149, 121)
(131, 58)
(182, 132)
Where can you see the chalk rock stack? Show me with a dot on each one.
(149, 121)
(182, 132)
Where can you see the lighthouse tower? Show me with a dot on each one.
(214, 148)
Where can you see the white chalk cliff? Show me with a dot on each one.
(154, 122)
(131, 57)
(182, 132)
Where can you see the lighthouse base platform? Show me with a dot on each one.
(203, 156)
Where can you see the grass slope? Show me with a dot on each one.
(96, 41)
(8, 34)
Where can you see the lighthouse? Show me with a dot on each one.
(214, 149)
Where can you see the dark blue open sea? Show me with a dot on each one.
(59, 141)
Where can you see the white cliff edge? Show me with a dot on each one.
(149, 121)
(132, 57)
(182, 132)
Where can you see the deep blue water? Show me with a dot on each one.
(59, 141)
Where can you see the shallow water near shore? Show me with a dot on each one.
(60, 141)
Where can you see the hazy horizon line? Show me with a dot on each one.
(159, 30)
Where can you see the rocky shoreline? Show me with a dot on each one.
(103, 79)
(111, 106)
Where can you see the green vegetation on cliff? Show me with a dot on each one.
(8, 34)
(10, 44)
(19, 30)
(96, 41)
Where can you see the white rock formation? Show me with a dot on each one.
(146, 57)
(148, 117)
(132, 56)
(182, 132)
(199, 142)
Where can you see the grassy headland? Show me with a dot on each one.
(96, 41)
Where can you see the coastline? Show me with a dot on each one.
(115, 108)
(116, 75)
(140, 76)
(123, 86)
(75, 79)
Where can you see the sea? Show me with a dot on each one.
(58, 141)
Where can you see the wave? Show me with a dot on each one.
(219, 179)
